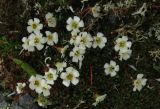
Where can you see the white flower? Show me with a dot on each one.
(36, 83)
(51, 20)
(96, 10)
(122, 44)
(73, 40)
(34, 25)
(125, 55)
(70, 76)
(51, 76)
(111, 69)
(36, 39)
(139, 82)
(45, 88)
(60, 66)
(20, 87)
(73, 24)
(51, 38)
(99, 98)
(26, 45)
(42, 101)
(63, 51)
(77, 54)
(84, 39)
(99, 40)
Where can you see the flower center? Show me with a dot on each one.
(77, 53)
(74, 24)
(41, 100)
(36, 83)
(34, 26)
(36, 40)
(70, 77)
(83, 40)
(50, 76)
(49, 37)
(98, 40)
(111, 68)
(122, 44)
(137, 82)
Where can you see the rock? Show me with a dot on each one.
(16, 107)
(3, 103)
(25, 102)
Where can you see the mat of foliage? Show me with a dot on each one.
(145, 57)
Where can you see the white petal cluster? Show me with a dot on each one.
(26, 45)
(60, 66)
(36, 83)
(122, 44)
(96, 11)
(43, 101)
(51, 76)
(123, 47)
(63, 51)
(45, 89)
(77, 54)
(99, 98)
(20, 87)
(139, 83)
(125, 55)
(34, 25)
(84, 39)
(70, 76)
(42, 84)
(36, 39)
(111, 68)
(74, 24)
(99, 40)
(51, 20)
(51, 38)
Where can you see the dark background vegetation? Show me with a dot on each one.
(14, 15)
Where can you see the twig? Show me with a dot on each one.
(77, 106)
(13, 93)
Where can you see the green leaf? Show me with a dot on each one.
(25, 66)
(17, 61)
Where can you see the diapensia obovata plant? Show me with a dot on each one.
(72, 52)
